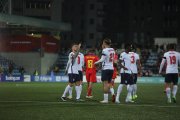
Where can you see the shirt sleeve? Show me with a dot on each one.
(121, 56)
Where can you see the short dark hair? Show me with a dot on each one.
(74, 43)
(133, 46)
(127, 46)
(107, 41)
(91, 50)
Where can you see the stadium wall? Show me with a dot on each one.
(32, 61)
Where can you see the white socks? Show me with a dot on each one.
(168, 93)
(129, 96)
(106, 97)
(70, 91)
(81, 87)
(112, 91)
(66, 90)
(78, 92)
(134, 89)
(119, 90)
(174, 91)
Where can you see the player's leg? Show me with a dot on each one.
(134, 93)
(78, 87)
(112, 87)
(68, 87)
(130, 82)
(175, 87)
(119, 90)
(112, 84)
(106, 78)
(168, 88)
(70, 93)
(92, 80)
(81, 79)
(106, 91)
(88, 83)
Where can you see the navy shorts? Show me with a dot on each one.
(73, 78)
(171, 78)
(127, 79)
(80, 75)
(135, 78)
(106, 75)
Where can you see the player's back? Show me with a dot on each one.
(109, 54)
(126, 61)
(134, 57)
(172, 60)
(90, 59)
(80, 61)
(73, 69)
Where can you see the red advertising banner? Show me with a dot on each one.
(24, 43)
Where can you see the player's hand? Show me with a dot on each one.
(125, 68)
(79, 45)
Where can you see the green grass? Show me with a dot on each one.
(39, 101)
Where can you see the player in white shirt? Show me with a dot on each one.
(135, 67)
(126, 75)
(107, 60)
(73, 74)
(172, 59)
(80, 62)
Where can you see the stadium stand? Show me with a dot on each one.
(9, 67)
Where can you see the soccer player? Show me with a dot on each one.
(172, 59)
(91, 69)
(73, 74)
(135, 67)
(126, 75)
(114, 76)
(107, 60)
(80, 62)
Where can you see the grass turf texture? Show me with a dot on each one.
(39, 101)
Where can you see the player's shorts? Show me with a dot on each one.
(171, 78)
(80, 75)
(91, 77)
(73, 78)
(114, 74)
(126, 79)
(135, 78)
(106, 75)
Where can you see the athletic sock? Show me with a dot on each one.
(119, 90)
(66, 90)
(174, 91)
(128, 87)
(78, 92)
(112, 91)
(129, 96)
(168, 92)
(134, 89)
(106, 97)
(81, 87)
(89, 93)
(70, 91)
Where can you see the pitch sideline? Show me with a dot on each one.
(86, 103)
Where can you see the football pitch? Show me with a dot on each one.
(40, 101)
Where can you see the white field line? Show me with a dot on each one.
(86, 103)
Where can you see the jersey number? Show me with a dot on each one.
(132, 59)
(172, 59)
(90, 63)
(111, 57)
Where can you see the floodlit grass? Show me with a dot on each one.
(39, 101)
